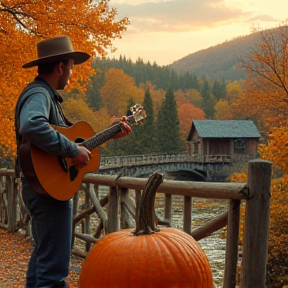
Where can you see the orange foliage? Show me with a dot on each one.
(186, 113)
(180, 98)
(261, 102)
(90, 25)
(276, 150)
(266, 91)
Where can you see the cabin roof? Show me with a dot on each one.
(224, 129)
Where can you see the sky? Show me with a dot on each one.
(164, 31)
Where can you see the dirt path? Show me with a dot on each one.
(14, 255)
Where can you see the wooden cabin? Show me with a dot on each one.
(222, 140)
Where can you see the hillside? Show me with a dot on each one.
(221, 61)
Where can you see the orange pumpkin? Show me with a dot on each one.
(148, 257)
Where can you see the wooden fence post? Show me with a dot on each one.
(12, 203)
(187, 221)
(112, 210)
(256, 227)
(231, 256)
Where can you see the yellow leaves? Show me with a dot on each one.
(77, 109)
(91, 26)
(238, 177)
(222, 110)
(117, 91)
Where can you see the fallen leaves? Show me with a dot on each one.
(14, 255)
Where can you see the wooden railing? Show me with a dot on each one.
(255, 194)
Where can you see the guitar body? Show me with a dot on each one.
(53, 175)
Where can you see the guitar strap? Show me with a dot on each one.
(21, 101)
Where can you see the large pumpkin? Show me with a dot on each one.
(147, 257)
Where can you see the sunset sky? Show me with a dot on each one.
(167, 30)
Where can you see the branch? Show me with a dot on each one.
(17, 15)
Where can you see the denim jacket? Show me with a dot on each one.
(40, 106)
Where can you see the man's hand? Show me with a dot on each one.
(126, 129)
(83, 157)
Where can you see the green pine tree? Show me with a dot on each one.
(168, 136)
(148, 136)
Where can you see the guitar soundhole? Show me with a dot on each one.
(73, 173)
(79, 140)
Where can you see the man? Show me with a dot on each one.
(37, 107)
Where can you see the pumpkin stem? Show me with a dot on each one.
(145, 222)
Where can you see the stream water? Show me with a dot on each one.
(202, 210)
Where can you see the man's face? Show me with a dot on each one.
(66, 72)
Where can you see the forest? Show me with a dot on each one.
(171, 102)
(106, 88)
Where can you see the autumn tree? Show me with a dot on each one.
(186, 113)
(91, 25)
(194, 97)
(222, 110)
(265, 94)
(180, 97)
(157, 96)
(76, 109)
(233, 91)
(117, 91)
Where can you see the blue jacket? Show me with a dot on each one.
(41, 107)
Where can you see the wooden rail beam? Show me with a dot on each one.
(207, 190)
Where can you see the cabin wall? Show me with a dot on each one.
(221, 146)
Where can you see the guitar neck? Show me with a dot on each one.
(102, 137)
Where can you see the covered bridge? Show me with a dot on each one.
(222, 140)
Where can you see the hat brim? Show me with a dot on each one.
(77, 56)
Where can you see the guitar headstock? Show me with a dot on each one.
(138, 113)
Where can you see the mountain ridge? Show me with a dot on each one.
(222, 61)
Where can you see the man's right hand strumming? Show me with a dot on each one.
(83, 157)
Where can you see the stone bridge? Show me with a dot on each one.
(178, 167)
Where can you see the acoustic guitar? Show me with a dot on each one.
(56, 176)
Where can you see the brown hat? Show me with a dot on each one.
(56, 49)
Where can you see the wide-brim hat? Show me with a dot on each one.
(56, 49)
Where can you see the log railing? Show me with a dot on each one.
(117, 210)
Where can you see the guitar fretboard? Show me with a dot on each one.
(102, 137)
(106, 135)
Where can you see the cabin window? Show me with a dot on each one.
(240, 144)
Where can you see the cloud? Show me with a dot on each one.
(178, 15)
